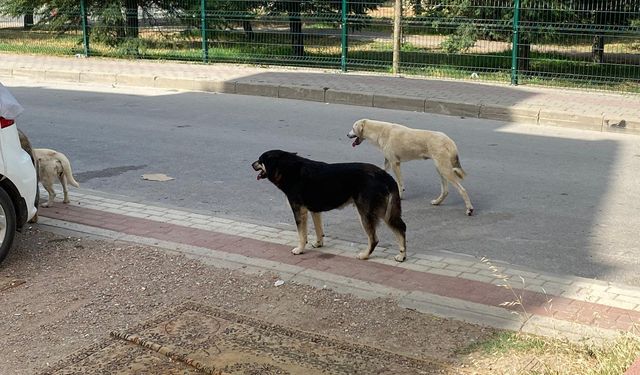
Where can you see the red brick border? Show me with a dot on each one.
(400, 278)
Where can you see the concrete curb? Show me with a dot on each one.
(603, 122)
(424, 302)
(105, 213)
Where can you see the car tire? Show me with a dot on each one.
(7, 223)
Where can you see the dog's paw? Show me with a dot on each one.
(436, 202)
(469, 211)
(400, 257)
(317, 244)
(297, 250)
(363, 255)
(66, 201)
(46, 204)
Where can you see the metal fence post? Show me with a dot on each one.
(203, 23)
(514, 44)
(343, 57)
(85, 31)
(397, 16)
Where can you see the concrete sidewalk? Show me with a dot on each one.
(589, 110)
(463, 288)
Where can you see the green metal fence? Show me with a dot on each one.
(591, 43)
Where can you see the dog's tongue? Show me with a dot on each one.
(356, 142)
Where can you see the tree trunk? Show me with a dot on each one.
(28, 20)
(417, 7)
(295, 27)
(132, 18)
(597, 49)
(248, 29)
(524, 55)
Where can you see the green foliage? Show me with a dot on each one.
(131, 47)
(505, 341)
(541, 21)
(464, 38)
(109, 25)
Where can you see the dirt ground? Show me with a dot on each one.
(59, 294)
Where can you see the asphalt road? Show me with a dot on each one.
(556, 200)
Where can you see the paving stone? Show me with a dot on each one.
(239, 245)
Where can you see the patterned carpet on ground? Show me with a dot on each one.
(196, 339)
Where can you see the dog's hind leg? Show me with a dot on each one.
(52, 194)
(300, 215)
(465, 196)
(387, 164)
(47, 182)
(447, 175)
(65, 189)
(398, 227)
(444, 189)
(317, 224)
(369, 222)
(401, 239)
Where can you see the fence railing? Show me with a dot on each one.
(591, 43)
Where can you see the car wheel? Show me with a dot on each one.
(7, 223)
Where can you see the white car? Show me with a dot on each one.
(18, 181)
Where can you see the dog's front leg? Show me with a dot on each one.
(396, 169)
(317, 224)
(300, 215)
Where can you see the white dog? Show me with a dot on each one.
(399, 143)
(51, 165)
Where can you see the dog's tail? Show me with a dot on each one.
(66, 168)
(393, 215)
(457, 168)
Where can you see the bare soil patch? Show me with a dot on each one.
(62, 296)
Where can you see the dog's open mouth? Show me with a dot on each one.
(258, 167)
(356, 140)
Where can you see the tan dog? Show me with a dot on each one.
(399, 143)
(51, 165)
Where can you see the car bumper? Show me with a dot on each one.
(19, 169)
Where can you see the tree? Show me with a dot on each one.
(606, 15)
(116, 21)
(131, 12)
(57, 14)
(540, 21)
(63, 15)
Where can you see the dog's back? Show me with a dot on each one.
(323, 186)
(51, 160)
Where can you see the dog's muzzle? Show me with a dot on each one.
(257, 166)
(357, 139)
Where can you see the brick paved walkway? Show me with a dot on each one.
(545, 106)
(463, 288)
